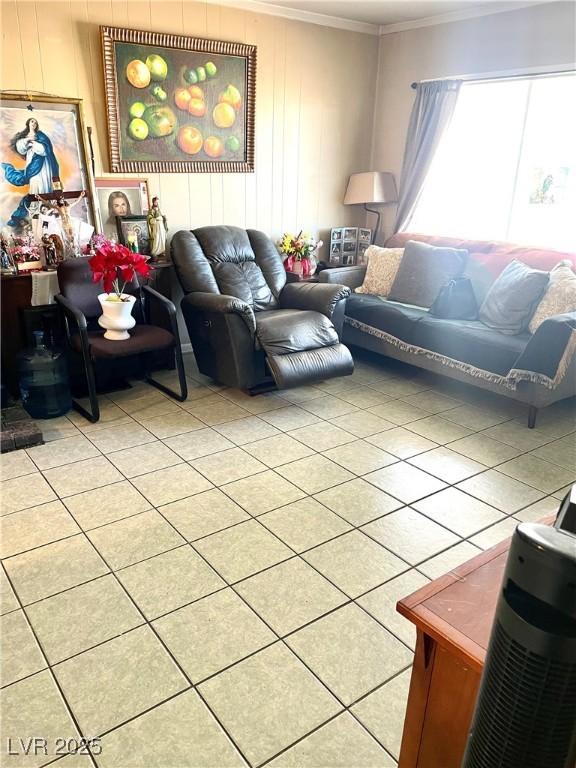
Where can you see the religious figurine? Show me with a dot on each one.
(8, 265)
(50, 255)
(157, 229)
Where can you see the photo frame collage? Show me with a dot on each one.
(348, 245)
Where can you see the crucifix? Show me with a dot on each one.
(57, 200)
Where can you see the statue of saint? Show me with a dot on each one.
(157, 229)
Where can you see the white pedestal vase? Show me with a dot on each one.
(116, 316)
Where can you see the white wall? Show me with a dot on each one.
(527, 38)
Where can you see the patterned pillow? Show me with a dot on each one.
(560, 295)
(381, 272)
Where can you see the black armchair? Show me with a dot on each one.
(249, 328)
(78, 301)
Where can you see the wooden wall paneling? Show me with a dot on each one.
(310, 135)
(59, 74)
(310, 82)
(279, 44)
(85, 74)
(120, 13)
(213, 26)
(291, 149)
(195, 24)
(172, 188)
(233, 27)
(99, 13)
(194, 18)
(12, 53)
(139, 14)
(28, 26)
(261, 32)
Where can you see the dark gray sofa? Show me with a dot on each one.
(465, 350)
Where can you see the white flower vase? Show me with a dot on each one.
(116, 316)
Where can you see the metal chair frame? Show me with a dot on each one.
(77, 317)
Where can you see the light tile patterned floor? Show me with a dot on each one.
(214, 583)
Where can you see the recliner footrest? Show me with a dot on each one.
(311, 365)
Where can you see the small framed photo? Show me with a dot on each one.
(365, 236)
(351, 233)
(336, 234)
(120, 197)
(335, 249)
(134, 227)
(348, 259)
(361, 258)
(349, 247)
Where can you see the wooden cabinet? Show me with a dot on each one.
(453, 617)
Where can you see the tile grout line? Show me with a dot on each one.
(308, 495)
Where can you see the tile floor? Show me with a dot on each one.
(214, 583)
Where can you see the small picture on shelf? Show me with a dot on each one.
(348, 259)
(349, 247)
(335, 249)
(364, 236)
(133, 231)
(336, 234)
(120, 197)
(351, 233)
(361, 258)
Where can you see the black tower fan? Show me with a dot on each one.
(525, 714)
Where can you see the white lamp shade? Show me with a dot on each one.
(371, 187)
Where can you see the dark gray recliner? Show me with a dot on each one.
(249, 327)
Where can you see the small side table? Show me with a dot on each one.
(295, 277)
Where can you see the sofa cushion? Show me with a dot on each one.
(513, 297)
(391, 317)
(381, 271)
(560, 296)
(424, 269)
(471, 342)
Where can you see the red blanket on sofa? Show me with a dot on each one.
(492, 255)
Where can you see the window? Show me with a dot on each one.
(506, 167)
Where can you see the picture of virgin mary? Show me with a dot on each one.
(40, 168)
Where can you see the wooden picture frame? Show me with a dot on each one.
(61, 133)
(178, 104)
(133, 193)
(125, 224)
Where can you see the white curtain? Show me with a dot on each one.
(431, 115)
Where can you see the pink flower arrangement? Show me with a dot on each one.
(115, 265)
(25, 249)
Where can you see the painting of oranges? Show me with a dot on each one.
(178, 109)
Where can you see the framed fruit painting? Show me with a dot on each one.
(178, 104)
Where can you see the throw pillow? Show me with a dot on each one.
(560, 295)
(513, 297)
(382, 267)
(424, 269)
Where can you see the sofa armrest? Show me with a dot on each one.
(221, 304)
(350, 276)
(313, 296)
(547, 355)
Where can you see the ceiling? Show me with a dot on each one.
(384, 12)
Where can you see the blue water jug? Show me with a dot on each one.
(43, 379)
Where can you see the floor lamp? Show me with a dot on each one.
(371, 188)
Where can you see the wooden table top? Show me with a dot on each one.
(458, 609)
